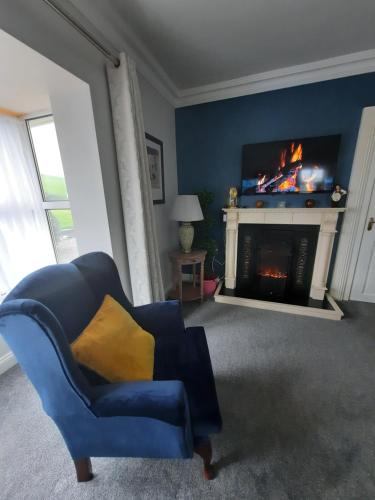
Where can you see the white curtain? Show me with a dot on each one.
(25, 242)
(142, 248)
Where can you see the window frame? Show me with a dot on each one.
(46, 205)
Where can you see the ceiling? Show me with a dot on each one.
(200, 42)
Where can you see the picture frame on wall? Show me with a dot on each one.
(155, 158)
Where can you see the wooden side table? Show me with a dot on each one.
(187, 291)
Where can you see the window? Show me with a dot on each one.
(43, 138)
(25, 240)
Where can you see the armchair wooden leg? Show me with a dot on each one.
(83, 469)
(204, 450)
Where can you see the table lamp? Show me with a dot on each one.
(186, 209)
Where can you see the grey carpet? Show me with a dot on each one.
(298, 403)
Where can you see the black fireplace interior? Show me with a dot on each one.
(275, 262)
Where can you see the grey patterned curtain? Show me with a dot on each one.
(138, 213)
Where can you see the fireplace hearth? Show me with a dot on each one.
(275, 262)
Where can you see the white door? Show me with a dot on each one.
(364, 278)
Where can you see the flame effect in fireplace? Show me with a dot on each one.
(296, 153)
(283, 158)
(290, 182)
(291, 166)
(308, 180)
(291, 157)
(262, 180)
(273, 273)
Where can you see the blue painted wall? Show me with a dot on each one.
(210, 136)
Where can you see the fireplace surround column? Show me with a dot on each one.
(231, 250)
(323, 255)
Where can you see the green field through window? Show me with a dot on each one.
(62, 219)
(54, 188)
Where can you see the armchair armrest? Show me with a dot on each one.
(160, 318)
(197, 375)
(34, 334)
(162, 400)
(164, 320)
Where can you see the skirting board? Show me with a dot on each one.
(7, 361)
(336, 314)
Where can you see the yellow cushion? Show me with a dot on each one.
(115, 346)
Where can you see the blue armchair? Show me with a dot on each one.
(169, 417)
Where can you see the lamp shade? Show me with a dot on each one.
(186, 208)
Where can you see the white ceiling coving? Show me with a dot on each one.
(199, 49)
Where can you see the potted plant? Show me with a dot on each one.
(204, 240)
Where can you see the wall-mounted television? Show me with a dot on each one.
(293, 166)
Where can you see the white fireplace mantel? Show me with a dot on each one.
(325, 218)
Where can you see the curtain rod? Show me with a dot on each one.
(83, 31)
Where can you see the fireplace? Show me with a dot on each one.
(275, 262)
(272, 265)
(279, 258)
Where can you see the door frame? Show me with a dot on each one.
(359, 197)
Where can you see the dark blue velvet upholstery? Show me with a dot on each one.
(164, 400)
(164, 321)
(197, 376)
(163, 418)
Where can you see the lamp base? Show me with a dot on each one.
(186, 234)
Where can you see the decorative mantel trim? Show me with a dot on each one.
(326, 218)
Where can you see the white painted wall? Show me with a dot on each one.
(159, 118)
(75, 128)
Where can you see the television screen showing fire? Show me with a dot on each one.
(293, 166)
